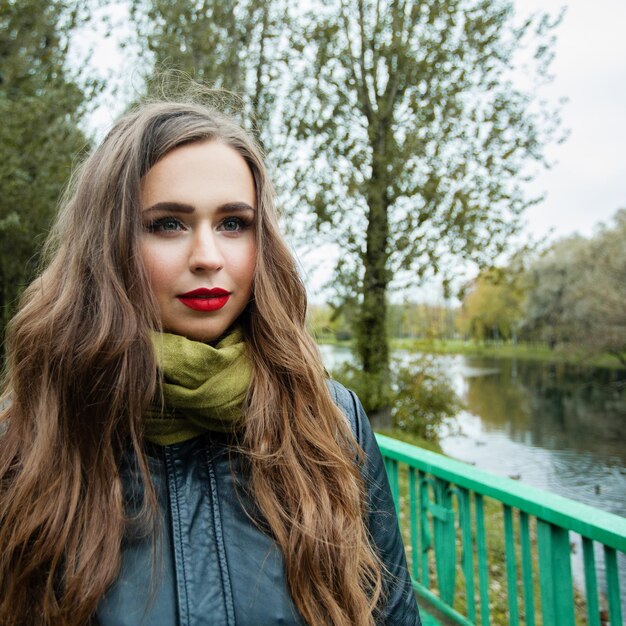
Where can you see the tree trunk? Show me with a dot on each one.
(260, 68)
(372, 341)
(232, 69)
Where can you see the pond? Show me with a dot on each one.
(554, 426)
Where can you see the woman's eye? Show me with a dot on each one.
(165, 225)
(233, 224)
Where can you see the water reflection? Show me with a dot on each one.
(551, 406)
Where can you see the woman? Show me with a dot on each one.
(172, 452)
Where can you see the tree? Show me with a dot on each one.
(493, 305)
(418, 140)
(599, 310)
(233, 45)
(41, 105)
(550, 279)
(426, 321)
(578, 290)
(424, 399)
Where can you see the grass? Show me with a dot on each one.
(524, 351)
(504, 350)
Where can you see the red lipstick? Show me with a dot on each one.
(205, 299)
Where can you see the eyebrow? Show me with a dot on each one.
(181, 207)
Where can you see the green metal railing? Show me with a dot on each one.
(475, 539)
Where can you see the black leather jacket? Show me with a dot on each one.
(215, 566)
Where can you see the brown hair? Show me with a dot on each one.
(81, 372)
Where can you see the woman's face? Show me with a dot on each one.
(198, 206)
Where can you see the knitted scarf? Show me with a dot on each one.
(203, 387)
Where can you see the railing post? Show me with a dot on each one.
(445, 539)
(465, 521)
(555, 574)
(612, 586)
(425, 535)
(527, 570)
(591, 583)
(414, 522)
(511, 567)
(391, 467)
(481, 553)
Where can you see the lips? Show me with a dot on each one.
(205, 299)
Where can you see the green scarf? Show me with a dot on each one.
(203, 387)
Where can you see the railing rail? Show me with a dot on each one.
(447, 512)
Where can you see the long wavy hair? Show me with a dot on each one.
(81, 372)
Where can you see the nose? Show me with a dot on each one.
(205, 253)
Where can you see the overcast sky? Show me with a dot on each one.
(588, 183)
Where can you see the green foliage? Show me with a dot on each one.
(420, 396)
(417, 140)
(41, 105)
